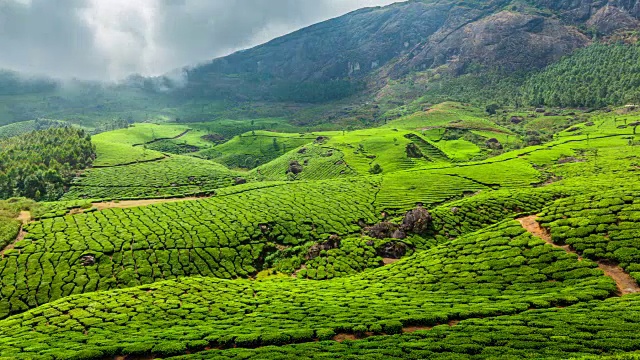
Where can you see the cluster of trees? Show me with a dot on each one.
(115, 124)
(597, 76)
(316, 92)
(39, 164)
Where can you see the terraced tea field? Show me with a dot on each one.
(397, 242)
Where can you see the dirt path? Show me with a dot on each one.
(530, 224)
(24, 218)
(625, 283)
(134, 203)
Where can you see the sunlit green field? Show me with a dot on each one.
(291, 242)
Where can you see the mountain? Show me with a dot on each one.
(366, 67)
(393, 41)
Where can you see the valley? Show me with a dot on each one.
(430, 179)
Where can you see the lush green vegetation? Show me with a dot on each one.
(39, 164)
(10, 222)
(597, 76)
(310, 245)
(590, 330)
(171, 176)
(497, 271)
(25, 127)
(602, 226)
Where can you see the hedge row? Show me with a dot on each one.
(500, 270)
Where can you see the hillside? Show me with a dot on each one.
(163, 253)
(361, 69)
(437, 179)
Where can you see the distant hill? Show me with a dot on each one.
(342, 56)
(362, 68)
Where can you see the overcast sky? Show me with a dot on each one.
(110, 39)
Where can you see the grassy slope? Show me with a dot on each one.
(223, 238)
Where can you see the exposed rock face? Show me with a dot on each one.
(383, 230)
(609, 19)
(416, 221)
(582, 10)
(508, 40)
(88, 260)
(295, 167)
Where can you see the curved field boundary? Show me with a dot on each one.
(161, 139)
(165, 156)
(625, 283)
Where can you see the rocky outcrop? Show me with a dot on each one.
(508, 40)
(417, 221)
(610, 19)
(579, 11)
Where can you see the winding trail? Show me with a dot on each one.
(625, 283)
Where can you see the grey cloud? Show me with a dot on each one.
(110, 39)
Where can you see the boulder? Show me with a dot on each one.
(417, 221)
(295, 167)
(382, 230)
(332, 243)
(88, 260)
(240, 181)
(393, 250)
(493, 144)
(517, 119)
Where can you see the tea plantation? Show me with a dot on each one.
(396, 242)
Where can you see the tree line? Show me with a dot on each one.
(38, 165)
(596, 76)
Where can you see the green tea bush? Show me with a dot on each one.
(600, 226)
(591, 330)
(173, 176)
(501, 270)
(223, 237)
(318, 162)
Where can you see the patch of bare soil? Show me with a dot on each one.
(407, 330)
(24, 217)
(625, 283)
(134, 357)
(343, 337)
(530, 224)
(389, 261)
(132, 203)
(412, 329)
